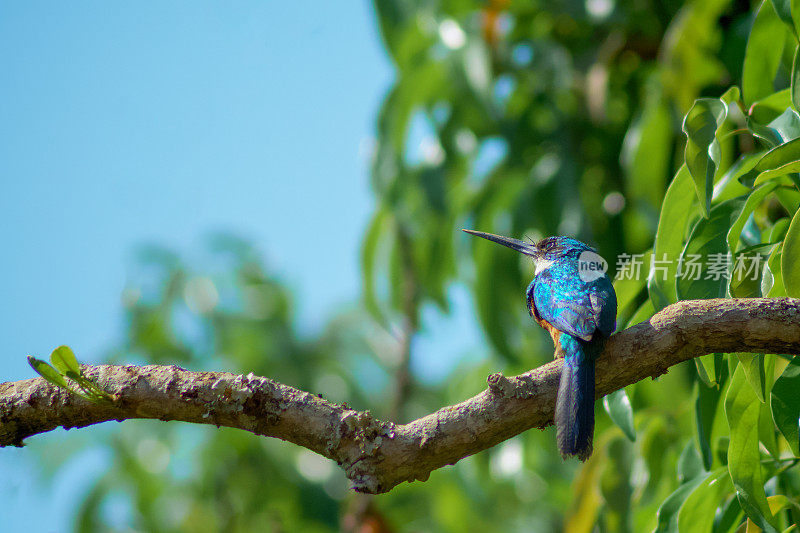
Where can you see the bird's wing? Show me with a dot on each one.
(576, 307)
(604, 305)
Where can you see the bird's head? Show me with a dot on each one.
(543, 252)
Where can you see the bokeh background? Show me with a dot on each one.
(279, 188)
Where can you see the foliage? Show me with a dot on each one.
(64, 371)
(613, 122)
(562, 91)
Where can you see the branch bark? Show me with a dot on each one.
(378, 455)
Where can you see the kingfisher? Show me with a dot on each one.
(573, 299)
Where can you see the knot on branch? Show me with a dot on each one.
(499, 384)
(365, 430)
(368, 434)
(522, 386)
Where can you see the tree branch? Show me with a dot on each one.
(377, 455)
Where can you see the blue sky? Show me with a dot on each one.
(126, 124)
(133, 123)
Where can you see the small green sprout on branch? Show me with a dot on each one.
(65, 372)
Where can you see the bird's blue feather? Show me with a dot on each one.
(585, 314)
(574, 413)
(571, 304)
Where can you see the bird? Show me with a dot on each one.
(573, 299)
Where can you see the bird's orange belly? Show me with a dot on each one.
(554, 334)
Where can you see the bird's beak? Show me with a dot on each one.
(520, 246)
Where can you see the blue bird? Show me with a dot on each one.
(573, 299)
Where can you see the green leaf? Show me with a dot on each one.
(784, 11)
(789, 198)
(751, 236)
(618, 407)
(779, 502)
(729, 516)
(644, 312)
(48, 372)
(780, 161)
(477, 67)
(702, 154)
(706, 369)
(629, 290)
(707, 246)
(369, 252)
(744, 459)
(795, 87)
(64, 359)
(669, 239)
(769, 108)
(786, 125)
(753, 201)
(790, 169)
(753, 366)
(794, 9)
(790, 260)
(777, 289)
(729, 185)
(731, 96)
(769, 373)
(54, 376)
(690, 465)
(767, 278)
(762, 55)
(403, 38)
(786, 404)
(747, 273)
(646, 153)
(86, 386)
(705, 407)
(699, 509)
(667, 515)
(615, 483)
(91, 390)
(778, 231)
(711, 369)
(397, 277)
(765, 133)
(766, 431)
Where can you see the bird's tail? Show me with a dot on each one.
(574, 414)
